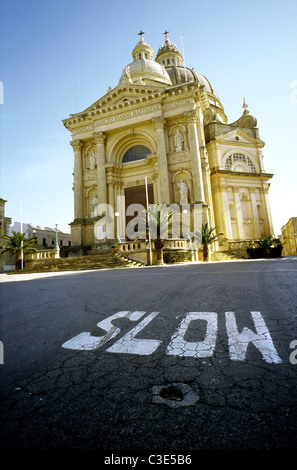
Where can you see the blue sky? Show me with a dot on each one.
(245, 48)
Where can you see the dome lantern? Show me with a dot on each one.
(168, 54)
(142, 50)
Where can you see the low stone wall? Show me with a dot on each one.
(139, 250)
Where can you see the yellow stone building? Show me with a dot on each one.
(289, 237)
(163, 128)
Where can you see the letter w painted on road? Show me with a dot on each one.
(238, 342)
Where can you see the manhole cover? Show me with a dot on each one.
(174, 395)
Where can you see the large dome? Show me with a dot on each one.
(180, 75)
(144, 69)
(169, 56)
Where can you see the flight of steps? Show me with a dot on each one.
(225, 256)
(104, 260)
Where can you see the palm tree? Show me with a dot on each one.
(158, 223)
(16, 244)
(207, 238)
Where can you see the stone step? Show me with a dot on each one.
(106, 260)
(225, 256)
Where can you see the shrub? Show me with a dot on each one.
(176, 256)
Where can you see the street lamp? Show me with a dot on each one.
(57, 248)
(185, 224)
(117, 214)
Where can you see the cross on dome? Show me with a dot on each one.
(141, 33)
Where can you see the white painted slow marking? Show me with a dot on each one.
(179, 347)
(238, 342)
(128, 344)
(85, 341)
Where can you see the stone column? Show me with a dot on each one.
(101, 174)
(195, 156)
(78, 187)
(162, 161)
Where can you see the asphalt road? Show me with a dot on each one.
(234, 375)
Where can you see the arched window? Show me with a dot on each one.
(138, 152)
(239, 162)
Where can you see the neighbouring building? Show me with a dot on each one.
(164, 128)
(289, 237)
(45, 236)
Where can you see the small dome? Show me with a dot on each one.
(142, 50)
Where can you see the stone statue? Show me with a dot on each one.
(92, 160)
(126, 75)
(183, 190)
(94, 204)
(178, 140)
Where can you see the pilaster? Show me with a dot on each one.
(239, 214)
(159, 124)
(100, 139)
(195, 156)
(257, 233)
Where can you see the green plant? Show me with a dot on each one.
(266, 247)
(16, 244)
(208, 237)
(175, 256)
(158, 224)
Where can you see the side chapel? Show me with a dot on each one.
(164, 125)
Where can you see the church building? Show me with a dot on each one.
(162, 136)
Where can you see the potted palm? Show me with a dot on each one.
(207, 238)
(158, 222)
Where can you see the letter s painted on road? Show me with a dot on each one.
(293, 355)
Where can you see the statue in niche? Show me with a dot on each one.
(178, 141)
(183, 191)
(94, 204)
(92, 160)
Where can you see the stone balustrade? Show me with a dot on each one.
(41, 254)
(138, 250)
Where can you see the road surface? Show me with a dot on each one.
(175, 358)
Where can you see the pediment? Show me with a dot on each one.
(122, 97)
(239, 136)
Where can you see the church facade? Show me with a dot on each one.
(161, 136)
